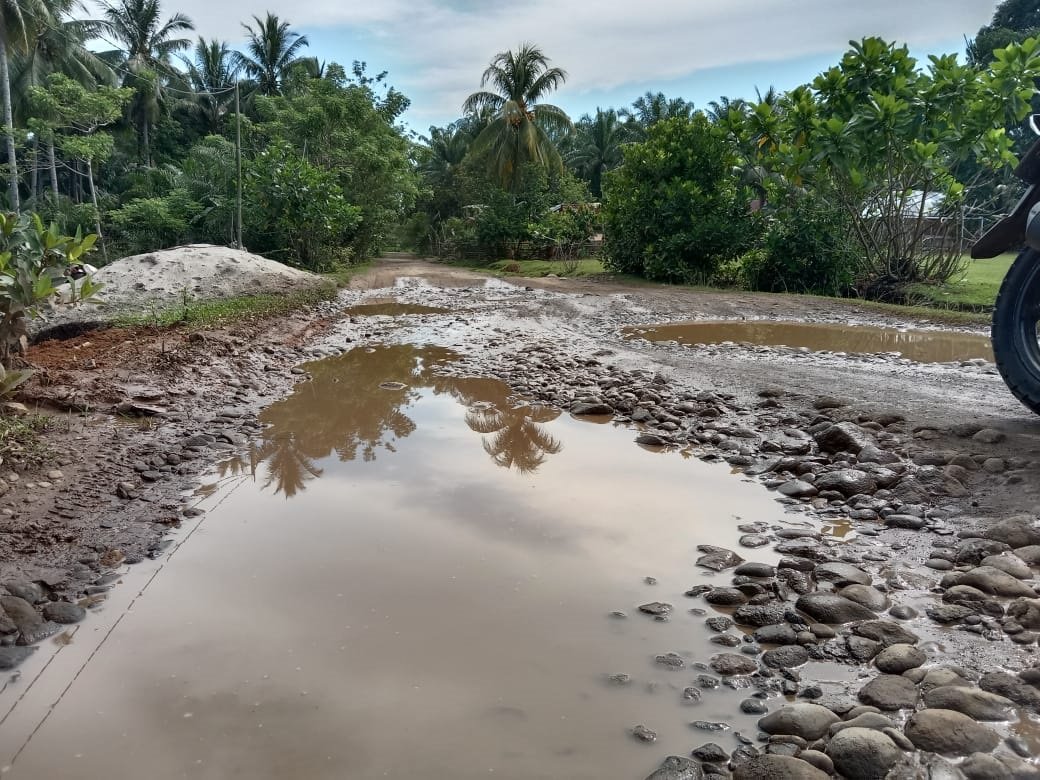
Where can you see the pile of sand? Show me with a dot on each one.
(157, 281)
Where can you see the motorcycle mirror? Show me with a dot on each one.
(1033, 124)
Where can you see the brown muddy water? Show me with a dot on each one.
(922, 346)
(408, 581)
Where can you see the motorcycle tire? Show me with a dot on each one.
(1014, 334)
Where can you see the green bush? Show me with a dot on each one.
(673, 211)
(297, 211)
(147, 224)
(807, 250)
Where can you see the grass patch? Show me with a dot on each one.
(21, 438)
(974, 289)
(342, 275)
(534, 269)
(217, 312)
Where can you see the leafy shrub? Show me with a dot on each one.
(807, 250)
(68, 215)
(297, 209)
(146, 224)
(673, 212)
(33, 260)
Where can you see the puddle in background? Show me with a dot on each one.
(936, 346)
(391, 308)
(410, 582)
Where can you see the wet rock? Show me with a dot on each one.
(942, 677)
(717, 558)
(656, 608)
(841, 574)
(752, 569)
(725, 597)
(719, 623)
(711, 753)
(1011, 687)
(898, 658)
(726, 640)
(902, 612)
(873, 454)
(1009, 563)
(848, 482)
(643, 734)
(772, 767)
(1017, 531)
(997, 582)
(1030, 554)
(64, 612)
(862, 649)
(591, 407)
(976, 704)
(808, 721)
(23, 589)
(948, 613)
(11, 657)
(842, 437)
(831, 608)
(786, 657)
(797, 488)
(671, 660)
(863, 754)
(949, 733)
(691, 695)
(819, 760)
(989, 436)
(619, 679)
(753, 707)
(869, 597)
(728, 664)
(972, 551)
(759, 614)
(886, 632)
(1026, 611)
(753, 540)
(863, 720)
(980, 766)
(777, 634)
(909, 522)
(677, 768)
(889, 692)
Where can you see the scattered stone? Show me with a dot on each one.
(976, 704)
(772, 767)
(1009, 563)
(23, 589)
(719, 623)
(671, 660)
(898, 658)
(948, 613)
(808, 721)
(10, 657)
(643, 734)
(819, 760)
(997, 582)
(786, 657)
(980, 766)
(1026, 611)
(777, 634)
(841, 574)
(833, 609)
(753, 540)
(869, 597)
(1011, 687)
(863, 754)
(619, 679)
(717, 558)
(656, 608)
(729, 664)
(797, 488)
(848, 482)
(909, 522)
(711, 753)
(989, 436)
(950, 733)
(842, 437)
(759, 614)
(591, 408)
(753, 707)
(1017, 531)
(64, 612)
(752, 569)
(677, 768)
(886, 632)
(889, 692)
(725, 597)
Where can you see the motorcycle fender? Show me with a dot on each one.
(1010, 232)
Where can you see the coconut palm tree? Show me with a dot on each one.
(597, 147)
(519, 132)
(653, 107)
(147, 45)
(56, 46)
(212, 72)
(271, 50)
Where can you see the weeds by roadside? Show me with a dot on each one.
(206, 313)
(21, 437)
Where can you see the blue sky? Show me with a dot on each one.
(613, 50)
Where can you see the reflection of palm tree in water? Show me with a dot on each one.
(343, 409)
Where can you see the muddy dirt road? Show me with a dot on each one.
(451, 527)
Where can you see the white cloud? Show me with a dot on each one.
(436, 49)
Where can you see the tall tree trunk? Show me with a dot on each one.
(5, 87)
(35, 180)
(97, 211)
(146, 150)
(53, 164)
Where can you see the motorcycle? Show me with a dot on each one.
(1016, 316)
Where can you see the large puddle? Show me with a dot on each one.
(923, 346)
(410, 577)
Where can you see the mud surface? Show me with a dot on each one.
(398, 465)
(922, 346)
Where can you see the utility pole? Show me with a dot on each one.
(238, 163)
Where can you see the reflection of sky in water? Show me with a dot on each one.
(426, 613)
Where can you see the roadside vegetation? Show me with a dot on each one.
(863, 183)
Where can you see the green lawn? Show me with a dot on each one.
(975, 289)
